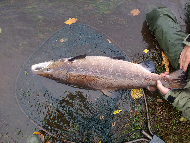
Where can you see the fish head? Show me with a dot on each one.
(51, 69)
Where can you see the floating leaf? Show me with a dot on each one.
(70, 21)
(146, 51)
(109, 40)
(135, 12)
(166, 61)
(116, 111)
(19, 132)
(136, 93)
(63, 40)
(25, 72)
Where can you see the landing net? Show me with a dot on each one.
(72, 114)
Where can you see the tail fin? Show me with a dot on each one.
(177, 79)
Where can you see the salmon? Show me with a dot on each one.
(107, 74)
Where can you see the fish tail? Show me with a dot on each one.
(177, 80)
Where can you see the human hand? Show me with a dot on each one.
(162, 89)
(184, 59)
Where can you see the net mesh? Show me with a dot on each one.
(75, 114)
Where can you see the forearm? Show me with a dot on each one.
(181, 99)
(164, 26)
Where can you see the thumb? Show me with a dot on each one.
(159, 84)
(162, 89)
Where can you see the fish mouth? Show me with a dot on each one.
(39, 68)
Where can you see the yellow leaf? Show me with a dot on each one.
(135, 12)
(116, 111)
(166, 61)
(37, 133)
(183, 119)
(100, 142)
(70, 21)
(146, 51)
(136, 93)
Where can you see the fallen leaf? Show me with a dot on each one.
(162, 64)
(136, 93)
(183, 119)
(159, 100)
(70, 21)
(135, 12)
(146, 51)
(166, 61)
(116, 111)
(100, 142)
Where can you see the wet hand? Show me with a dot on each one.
(185, 58)
(162, 89)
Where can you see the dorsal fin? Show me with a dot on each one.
(119, 58)
(77, 57)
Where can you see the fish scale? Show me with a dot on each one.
(106, 74)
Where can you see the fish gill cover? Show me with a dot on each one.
(73, 114)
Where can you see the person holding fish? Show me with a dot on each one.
(176, 45)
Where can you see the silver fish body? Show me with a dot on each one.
(105, 74)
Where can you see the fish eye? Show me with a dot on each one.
(49, 69)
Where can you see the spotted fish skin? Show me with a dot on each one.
(105, 73)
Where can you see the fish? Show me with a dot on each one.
(107, 74)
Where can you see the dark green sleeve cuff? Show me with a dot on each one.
(180, 98)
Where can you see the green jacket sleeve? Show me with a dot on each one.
(180, 98)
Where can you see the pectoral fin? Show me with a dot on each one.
(152, 88)
(111, 93)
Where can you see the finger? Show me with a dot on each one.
(166, 73)
(159, 85)
(182, 62)
(182, 58)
